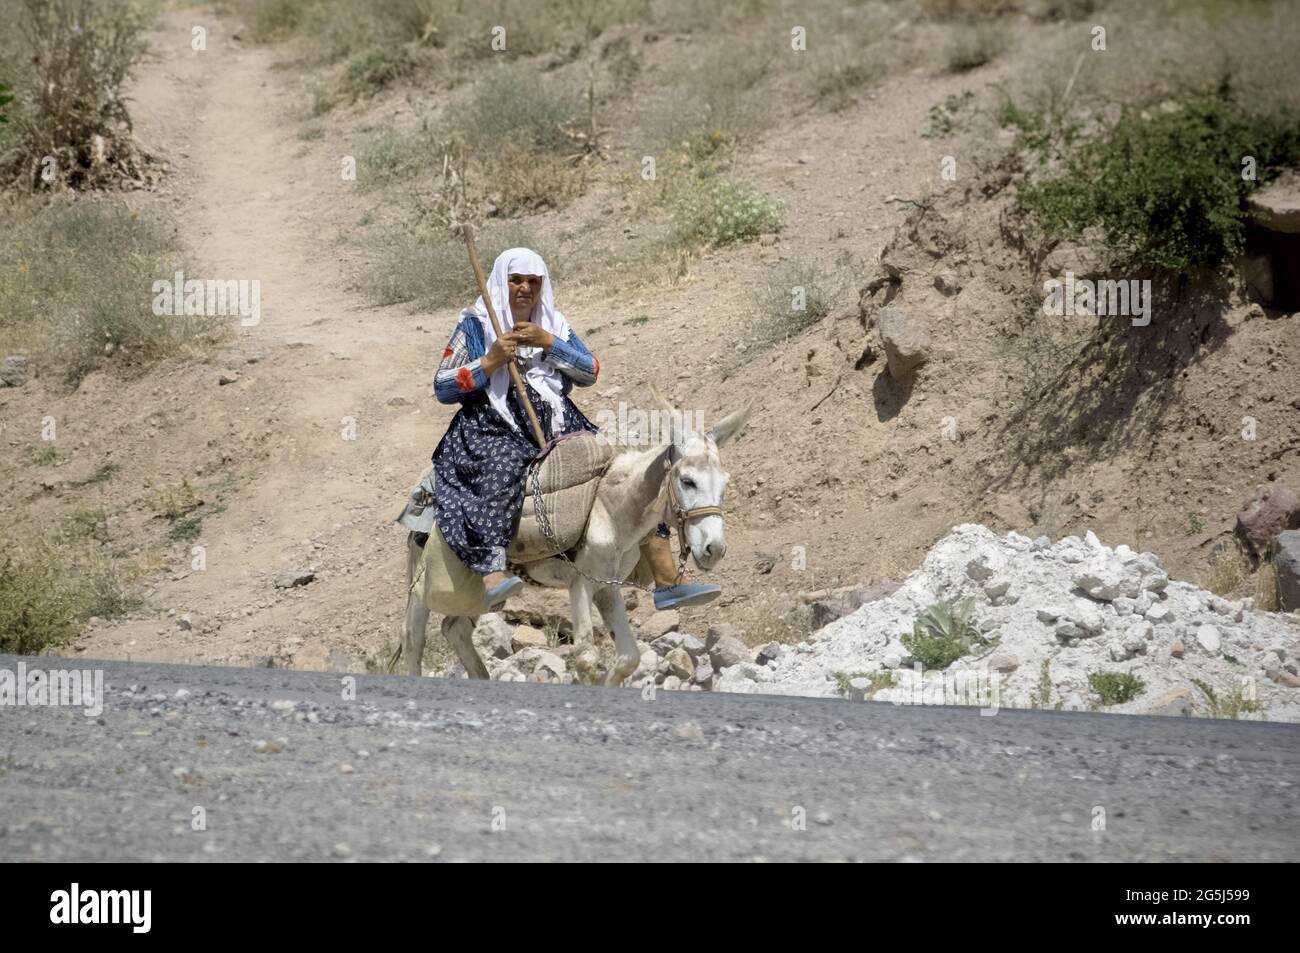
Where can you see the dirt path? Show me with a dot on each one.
(340, 384)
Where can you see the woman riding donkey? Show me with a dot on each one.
(481, 461)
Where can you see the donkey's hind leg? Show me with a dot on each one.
(417, 613)
(458, 631)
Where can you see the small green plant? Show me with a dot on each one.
(1195, 524)
(944, 633)
(88, 524)
(45, 455)
(5, 100)
(371, 70)
(946, 117)
(879, 680)
(1232, 705)
(173, 502)
(1041, 696)
(637, 321)
(186, 530)
(720, 212)
(38, 609)
(1115, 688)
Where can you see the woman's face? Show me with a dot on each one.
(524, 292)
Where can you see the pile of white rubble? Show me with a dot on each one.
(1060, 612)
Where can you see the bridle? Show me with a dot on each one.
(684, 515)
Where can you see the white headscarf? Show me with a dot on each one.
(546, 380)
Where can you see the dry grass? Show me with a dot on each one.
(76, 288)
(70, 126)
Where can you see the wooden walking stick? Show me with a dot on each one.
(513, 367)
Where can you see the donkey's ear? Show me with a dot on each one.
(676, 425)
(730, 425)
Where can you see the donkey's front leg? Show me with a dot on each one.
(609, 600)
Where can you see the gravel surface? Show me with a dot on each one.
(277, 765)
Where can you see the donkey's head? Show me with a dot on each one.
(696, 482)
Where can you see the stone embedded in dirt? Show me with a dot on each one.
(671, 683)
(769, 653)
(1057, 636)
(721, 630)
(667, 642)
(680, 664)
(526, 636)
(947, 282)
(1276, 206)
(703, 674)
(729, 650)
(1286, 560)
(906, 342)
(493, 636)
(837, 603)
(227, 377)
(289, 578)
(1274, 508)
(13, 371)
(693, 646)
(659, 624)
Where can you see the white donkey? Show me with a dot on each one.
(680, 483)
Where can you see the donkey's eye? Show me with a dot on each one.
(688, 483)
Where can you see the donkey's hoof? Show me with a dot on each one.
(622, 670)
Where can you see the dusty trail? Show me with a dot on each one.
(254, 208)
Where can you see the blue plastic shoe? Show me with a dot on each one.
(502, 591)
(685, 594)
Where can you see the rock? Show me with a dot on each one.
(289, 578)
(185, 622)
(1273, 509)
(1286, 560)
(13, 371)
(1176, 702)
(1159, 613)
(722, 630)
(1177, 650)
(671, 683)
(525, 636)
(769, 653)
(703, 673)
(1276, 206)
(728, 650)
(493, 636)
(985, 566)
(648, 665)
(227, 377)
(947, 282)
(667, 642)
(1004, 662)
(997, 587)
(906, 343)
(827, 609)
(694, 647)
(680, 664)
(1207, 636)
(659, 624)
(1284, 678)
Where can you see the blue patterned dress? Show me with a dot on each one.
(481, 460)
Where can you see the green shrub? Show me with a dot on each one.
(1164, 187)
(944, 633)
(511, 104)
(371, 70)
(76, 278)
(1115, 688)
(38, 609)
(1232, 705)
(720, 212)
